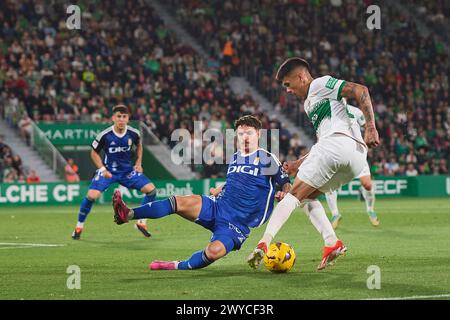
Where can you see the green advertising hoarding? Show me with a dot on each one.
(73, 193)
(165, 189)
(41, 193)
(421, 186)
(74, 134)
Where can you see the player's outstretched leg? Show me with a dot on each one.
(121, 211)
(141, 224)
(152, 210)
(200, 259)
(332, 204)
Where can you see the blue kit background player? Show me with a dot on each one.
(245, 201)
(117, 143)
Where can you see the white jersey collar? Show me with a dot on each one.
(248, 154)
(120, 135)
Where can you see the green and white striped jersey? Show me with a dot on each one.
(357, 113)
(328, 111)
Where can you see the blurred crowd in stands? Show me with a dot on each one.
(125, 54)
(406, 72)
(435, 14)
(51, 74)
(12, 169)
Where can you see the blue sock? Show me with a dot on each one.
(149, 197)
(197, 261)
(85, 208)
(156, 209)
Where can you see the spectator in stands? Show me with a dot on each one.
(411, 157)
(10, 175)
(25, 128)
(411, 171)
(391, 167)
(406, 71)
(143, 64)
(211, 170)
(401, 170)
(71, 171)
(443, 168)
(33, 177)
(21, 178)
(17, 164)
(296, 142)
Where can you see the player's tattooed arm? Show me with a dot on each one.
(361, 94)
(138, 164)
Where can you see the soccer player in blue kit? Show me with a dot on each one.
(245, 201)
(116, 142)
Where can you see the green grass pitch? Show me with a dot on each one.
(411, 248)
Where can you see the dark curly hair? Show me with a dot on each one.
(248, 120)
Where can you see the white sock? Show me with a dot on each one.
(332, 202)
(280, 215)
(369, 196)
(80, 224)
(316, 213)
(142, 221)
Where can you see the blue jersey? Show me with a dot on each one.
(117, 148)
(248, 194)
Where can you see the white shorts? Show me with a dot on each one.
(365, 171)
(332, 162)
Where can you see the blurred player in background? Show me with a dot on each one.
(364, 177)
(116, 142)
(338, 156)
(245, 201)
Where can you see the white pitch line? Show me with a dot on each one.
(18, 245)
(413, 297)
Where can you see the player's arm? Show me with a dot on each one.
(98, 162)
(284, 190)
(281, 179)
(291, 167)
(97, 146)
(216, 191)
(361, 94)
(138, 163)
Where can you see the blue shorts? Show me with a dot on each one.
(131, 180)
(216, 218)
